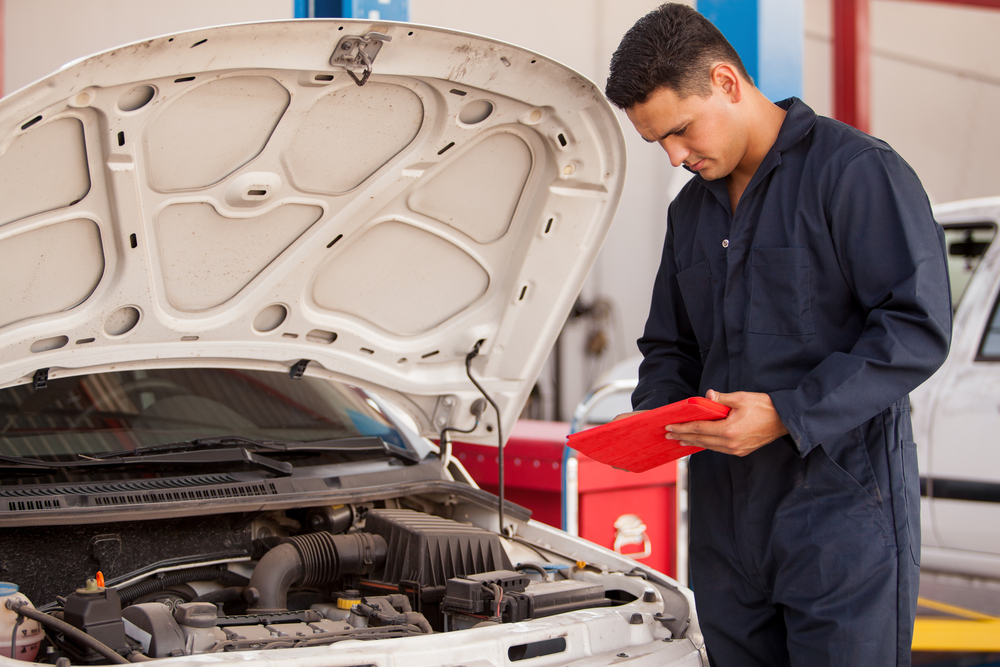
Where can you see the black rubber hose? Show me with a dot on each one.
(277, 571)
(65, 628)
(316, 558)
(262, 545)
(158, 583)
(536, 567)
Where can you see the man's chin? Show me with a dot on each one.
(704, 172)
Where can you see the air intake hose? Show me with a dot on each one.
(306, 560)
(162, 581)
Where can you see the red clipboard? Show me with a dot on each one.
(639, 443)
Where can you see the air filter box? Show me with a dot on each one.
(429, 550)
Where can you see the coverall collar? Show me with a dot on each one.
(799, 121)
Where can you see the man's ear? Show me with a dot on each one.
(725, 78)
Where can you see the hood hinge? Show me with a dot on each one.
(354, 52)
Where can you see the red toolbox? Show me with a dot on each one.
(634, 514)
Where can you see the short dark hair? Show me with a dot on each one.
(672, 47)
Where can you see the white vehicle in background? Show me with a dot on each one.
(250, 274)
(956, 413)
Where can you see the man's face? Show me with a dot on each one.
(697, 132)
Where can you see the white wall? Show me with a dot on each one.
(42, 35)
(935, 76)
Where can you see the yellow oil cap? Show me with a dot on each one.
(346, 603)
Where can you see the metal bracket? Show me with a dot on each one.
(354, 53)
(443, 411)
(299, 369)
(41, 379)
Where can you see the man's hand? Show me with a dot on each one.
(752, 423)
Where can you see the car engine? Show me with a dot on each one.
(281, 579)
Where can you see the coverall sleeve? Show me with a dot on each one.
(891, 253)
(671, 366)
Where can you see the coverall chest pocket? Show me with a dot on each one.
(780, 289)
(695, 284)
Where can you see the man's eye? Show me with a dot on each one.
(681, 131)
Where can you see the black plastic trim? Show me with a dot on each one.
(960, 489)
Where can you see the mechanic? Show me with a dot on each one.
(803, 285)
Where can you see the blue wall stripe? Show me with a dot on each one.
(737, 19)
(391, 10)
(768, 35)
(385, 10)
(780, 47)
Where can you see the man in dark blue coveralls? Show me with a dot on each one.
(802, 284)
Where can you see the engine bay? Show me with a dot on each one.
(136, 590)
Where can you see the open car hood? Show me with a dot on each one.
(232, 195)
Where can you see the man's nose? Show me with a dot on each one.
(675, 151)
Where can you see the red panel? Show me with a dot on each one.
(532, 467)
(532, 457)
(655, 505)
(545, 506)
(533, 472)
(851, 63)
(595, 476)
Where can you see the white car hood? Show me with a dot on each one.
(230, 196)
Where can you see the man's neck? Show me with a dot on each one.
(763, 123)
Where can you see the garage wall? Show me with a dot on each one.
(935, 73)
(42, 35)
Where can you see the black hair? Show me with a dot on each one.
(672, 47)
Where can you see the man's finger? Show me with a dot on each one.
(710, 427)
(720, 398)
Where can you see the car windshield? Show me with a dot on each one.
(967, 244)
(96, 414)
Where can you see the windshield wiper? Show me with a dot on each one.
(343, 445)
(218, 442)
(237, 455)
(221, 449)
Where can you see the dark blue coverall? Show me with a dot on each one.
(828, 290)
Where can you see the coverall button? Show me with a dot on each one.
(725, 243)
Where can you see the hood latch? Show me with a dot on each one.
(355, 53)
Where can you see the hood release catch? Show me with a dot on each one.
(355, 53)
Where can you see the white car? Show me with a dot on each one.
(250, 275)
(956, 413)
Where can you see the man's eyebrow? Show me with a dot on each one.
(673, 130)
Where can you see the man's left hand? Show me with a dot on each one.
(752, 423)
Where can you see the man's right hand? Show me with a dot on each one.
(626, 415)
